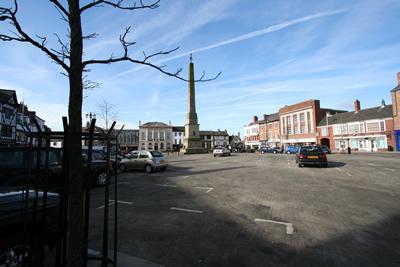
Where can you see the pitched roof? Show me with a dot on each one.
(6, 94)
(397, 88)
(362, 115)
(273, 117)
(155, 124)
(214, 133)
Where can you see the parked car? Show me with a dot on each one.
(326, 149)
(277, 150)
(292, 149)
(311, 155)
(148, 161)
(274, 150)
(221, 151)
(14, 163)
(14, 245)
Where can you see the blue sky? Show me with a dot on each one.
(271, 53)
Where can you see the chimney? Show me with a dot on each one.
(255, 119)
(266, 117)
(357, 106)
(140, 123)
(383, 104)
(398, 78)
(239, 134)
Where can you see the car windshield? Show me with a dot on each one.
(310, 149)
(156, 154)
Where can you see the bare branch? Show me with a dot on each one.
(90, 36)
(60, 7)
(119, 4)
(126, 58)
(8, 14)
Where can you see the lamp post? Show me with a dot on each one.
(90, 116)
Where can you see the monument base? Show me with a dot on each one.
(194, 146)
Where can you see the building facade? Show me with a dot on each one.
(214, 138)
(298, 122)
(367, 130)
(155, 136)
(128, 140)
(252, 134)
(178, 133)
(273, 130)
(395, 92)
(8, 120)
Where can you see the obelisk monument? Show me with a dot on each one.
(192, 144)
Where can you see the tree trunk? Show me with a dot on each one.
(76, 184)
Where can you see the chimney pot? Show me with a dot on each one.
(255, 119)
(357, 105)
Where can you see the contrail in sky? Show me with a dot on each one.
(269, 29)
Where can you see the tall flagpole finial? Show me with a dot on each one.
(191, 58)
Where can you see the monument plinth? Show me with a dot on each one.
(192, 144)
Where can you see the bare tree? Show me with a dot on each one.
(69, 55)
(107, 112)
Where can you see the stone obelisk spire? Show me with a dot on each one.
(192, 143)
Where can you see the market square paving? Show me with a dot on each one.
(259, 210)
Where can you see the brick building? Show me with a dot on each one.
(298, 122)
(273, 132)
(251, 132)
(362, 129)
(395, 92)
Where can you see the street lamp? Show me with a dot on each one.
(90, 116)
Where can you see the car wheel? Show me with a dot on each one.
(122, 168)
(300, 165)
(214, 156)
(325, 165)
(163, 169)
(101, 178)
(274, 152)
(148, 168)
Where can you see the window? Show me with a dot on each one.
(194, 133)
(180, 134)
(7, 112)
(162, 136)
(295, 119)
(143, 136)
(324, 131)
(382, 126)
(373, 127)
(302, 117)
(289, 130)
(176, 133)
(354, 128)
(143, 155)
(6, 130)
(288, 120)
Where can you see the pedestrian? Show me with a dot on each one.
(348, 150)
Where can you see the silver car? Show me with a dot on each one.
(221, 151)
(148, 161)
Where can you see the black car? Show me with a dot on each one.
(14, 165)
(18, 227)
(274, 150)
(311, 155)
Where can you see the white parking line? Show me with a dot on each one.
(338, 169)
(289, 226)
(392, 170)
(348, 174)
(372, 164)
(111, 202)
(187, 210)
(185, 177)
(166, 185)
(209, 189)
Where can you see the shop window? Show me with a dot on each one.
(373, 127)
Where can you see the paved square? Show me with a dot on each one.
(260, 210)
